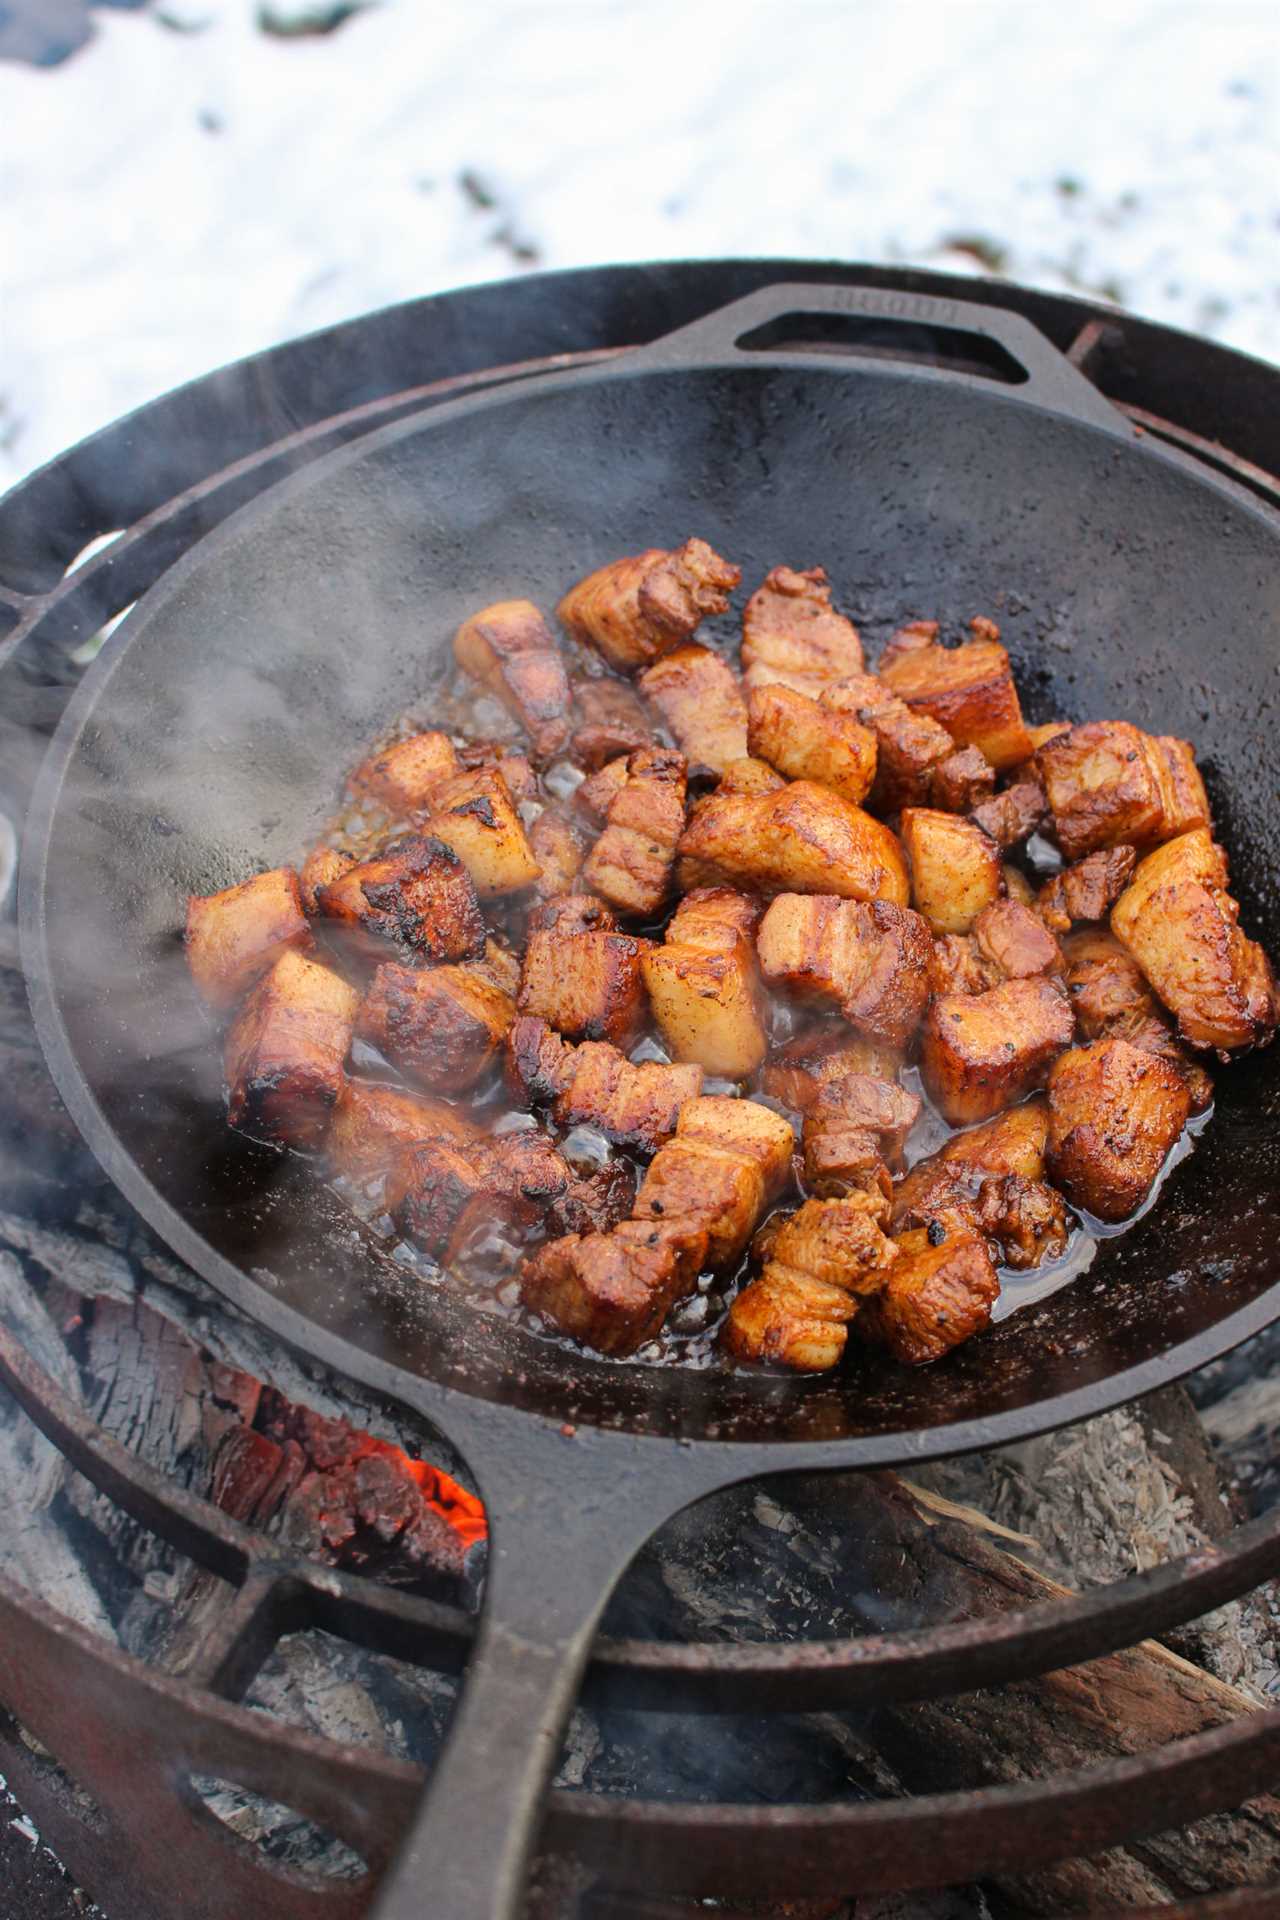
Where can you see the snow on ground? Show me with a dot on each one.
(188, 189)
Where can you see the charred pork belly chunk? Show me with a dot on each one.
(1114, 1113)
(704, 986)
(580, 975)
(1011, 815)
(918, 764)
(954, 865)
(853, 1135)
(235, 936)
(1086, 891)
(997, 1172)
(983, 1051)
(800, 839)
(808, 741)
(1111, 1000)
(1008, 942)
(374, 1123)
(870, 957)
(793, 637)
(416, 900)
(510, 649)
(634, 610)
(403, 776)
(475, 814)
(1110, 784)
(635, 1105)
(698, 695)
(821, 1263)
(285, 1052)
(630, 864)
(939, 1291)
(967, 689)
(442, 1027)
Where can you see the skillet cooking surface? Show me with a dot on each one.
(210, 739)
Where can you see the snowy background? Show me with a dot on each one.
(204, 178)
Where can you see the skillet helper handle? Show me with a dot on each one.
(1051, 379)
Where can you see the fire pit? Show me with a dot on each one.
(304, 1550)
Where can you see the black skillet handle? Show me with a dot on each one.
(1051, 380)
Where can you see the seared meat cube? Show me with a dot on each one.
(456, 1199)
(1114, 1113)
(983, 1051)
(571, 913)
(959, 966)
(1012, 815)
(594, 1085)
(595, 746)
(1180, 924)
(703, 985)
(996, 1172)
(802, 839)
(475, 814)
(698, 695)
(1105, 983)
(797, 1072)
(1013, 1143)
(1110, 784)
(322, 866)
(1024, 1221)
(807, 741)
(750, 776)
(871, 957)
(745, 1128)
(630, 864)
(609, 702)
(955, 868)
(516, 769)
(417, 899)
(610, 1292)
(792, 635)
(234, 937)
(729, 1159)
(1015, 942)
(961, 781)
(820, 1264)
(910, 747)
(599, 790)
(373, 1124)
(1086, 891)
(635, 610)
(285, 1052)
(559, 850)
(594, 1202)
(855, 1128)
(939, 1291)
(511, 650)
(968, 690)
(587, 985)
(403, 777)
(442, 1027)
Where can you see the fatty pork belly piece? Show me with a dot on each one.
(800, 839)
(728, 1161)
(871, 957)
(1013, 814)
(510, 649)
(234, 937)
(854, 1132)
(634, 610)
(322, 866)
(1086, 891)
(1181, 925)
(808, 741)
(821, 1263)
(1114, 1114)
(1111, 1000)
(403, 776)
(797, 1071)
(997, 1171)
(910, 747)
(441, 1026)
(968, 689)
(559, 847)
(704, 986)
(750, 776)
(983, 1051)
(1110, 784)
(938, 1292)
(698, 695)
(613, 1291)
(415, 899)
(285, 1052)
(634, 1105)
(630, 864)
(955, 868)
(475, 814)
(793, 637)
(600, 789)
(1008, 942)
(373, 1124)
(580, 975)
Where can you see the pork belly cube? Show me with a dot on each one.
(1114, 1113)
(510, 649)
(995, 1171)
(403, 776)
(797, 1072)
(634, 1105)
(1013, 1142)
(703, 985)
(1016, 942)
(968, 689)
(939, 1291)
(442, 1026)
(807, 741)
(516, 769)
(373, 1124)
(698, 695)
(598, 792)
(721, 1190)
(416, 899)
(322, 866)
(802, 839)
(821, 1261)
(910, 747)
(1111, 1000)
(1012, 815)
(983, 1051)
(854, 1131)
(955, 868)
(475, 814)
(745, 1128)
(234, 937)
(1180, 923)
(1025, 1221)
(1086, 891)
(716, 919)
(610, 1293)
(559, 849)
(750, 776)
(571, 912)
(964, 779)
(792, 636)
(634, 610)
(285, 1052)
(587, 985)
(630, 864)
(872, 958)
(594, 747)
(1109, 783)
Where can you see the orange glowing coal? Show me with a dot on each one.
(461, 1509)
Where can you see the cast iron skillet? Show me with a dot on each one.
(208, 742)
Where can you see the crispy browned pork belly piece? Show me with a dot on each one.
(749, 776)
(801, 839)
(698, 695)
(954, 867)
(497, 757)
(600, 789)
(234, 937)
(611, 1291)
(1109, 783)
(322, 866)
(808, 741)
(983, 1051)
(416, 899)
(634, 1105)
(442, 1026)
(593, 747)
(1111, 1000)
(373, 1124)
(1008, 942)
(792, 635)
(630, 864)
(634, 610)
(1087, 890)
(559, 848)
(285, 1052)
(796, 1072)
(872, 958)
(1011, 815)
(475, 814)
(703, 983)
(910, 747)
(1114, 1113)
(939, 1291)
(510, 649)
(459, 1198)
(571, 912)
(729, 1159)
(853, 1134)
(962, 780)
(968, 689)
(403, 776)
(997, 1172)
(584, 979)
(1180, 923)
(822, 1261)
